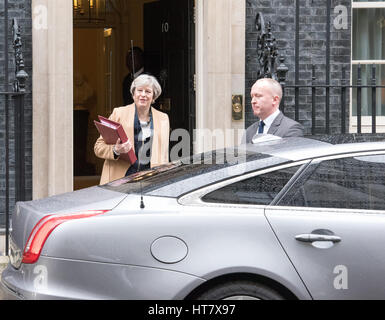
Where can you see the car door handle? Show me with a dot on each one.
(311, 237)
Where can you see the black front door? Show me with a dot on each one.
(169, 40)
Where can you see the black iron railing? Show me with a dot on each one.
(269, 67)
(14, 99)
(343, 90)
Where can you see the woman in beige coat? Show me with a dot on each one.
(147, 130)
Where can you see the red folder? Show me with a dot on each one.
(111, 131)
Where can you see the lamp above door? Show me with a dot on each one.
(89, 11)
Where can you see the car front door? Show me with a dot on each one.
(331, 224)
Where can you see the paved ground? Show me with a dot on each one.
(2, 245)
(3, 263)
(3, 259)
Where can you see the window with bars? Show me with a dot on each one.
(368, 50)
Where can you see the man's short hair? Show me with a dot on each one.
(275, 86)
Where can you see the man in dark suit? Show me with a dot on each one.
(134, 70)
(266, 95)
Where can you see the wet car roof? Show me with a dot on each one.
(178, 178)
(304, 148)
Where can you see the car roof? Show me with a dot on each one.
(182, 178)
(298, 148)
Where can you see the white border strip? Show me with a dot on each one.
(368, 61)
(368, 5)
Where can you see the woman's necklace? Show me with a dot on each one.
(144, 116)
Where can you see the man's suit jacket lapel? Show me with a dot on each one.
(276, 123)
(251, 132)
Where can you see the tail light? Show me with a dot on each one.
(44, 228)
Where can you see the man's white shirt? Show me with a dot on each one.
(269, 120)
(138, 73)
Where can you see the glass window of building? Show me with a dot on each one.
(368, 50)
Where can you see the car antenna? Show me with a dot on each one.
(141, 188)
(133, 74)
(141, 196)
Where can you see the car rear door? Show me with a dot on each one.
(331, 224)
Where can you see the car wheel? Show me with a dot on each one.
(240, 290)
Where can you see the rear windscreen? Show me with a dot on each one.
(177, 178)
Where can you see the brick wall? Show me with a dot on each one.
(312, 50)
(20, 9)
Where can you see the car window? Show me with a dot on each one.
(261, 189)
(351, 183)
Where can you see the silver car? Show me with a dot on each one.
(288, 219)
